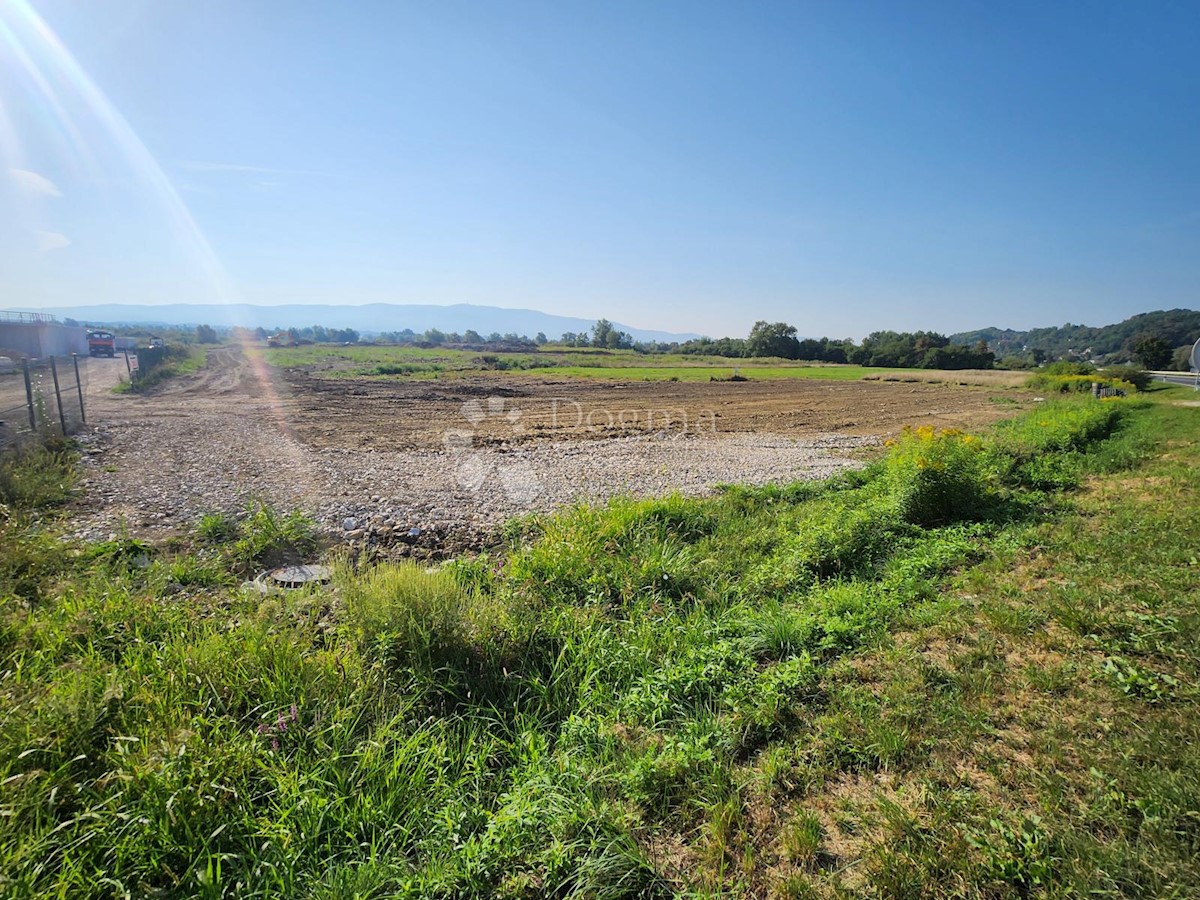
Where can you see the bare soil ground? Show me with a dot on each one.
(390, 413)
(431, 466)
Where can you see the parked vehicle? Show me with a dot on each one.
(102, 343)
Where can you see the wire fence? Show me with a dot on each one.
(28, 318)
(42, 397)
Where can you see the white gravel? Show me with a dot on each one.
(162, 475)
(218, 442)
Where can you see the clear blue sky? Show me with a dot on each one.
(689, 166)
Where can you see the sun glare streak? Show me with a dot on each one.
(46, 63)
(48, 59)
(10, 144)
(261, 372)
(72, 147)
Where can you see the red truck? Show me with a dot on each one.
(102, 343)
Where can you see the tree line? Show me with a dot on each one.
(918, 349)
(1158, 340)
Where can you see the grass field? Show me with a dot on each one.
(708, 371)
(415, 362)
(970, 670)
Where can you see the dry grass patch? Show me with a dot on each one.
(977, 377)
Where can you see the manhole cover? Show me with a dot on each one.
(299, 576)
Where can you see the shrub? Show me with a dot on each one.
(937, 477)
(1139, 378)
(1068, 368)
(1066, 384)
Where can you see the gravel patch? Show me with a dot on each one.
(223, 439)
(157, 477)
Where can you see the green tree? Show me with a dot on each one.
(773, 339)
(1181, 359)
(206, 334)
(601, 332)
(1152, 351)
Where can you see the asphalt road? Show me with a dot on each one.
(1181, 378)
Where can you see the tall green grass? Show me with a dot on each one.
(603, 708)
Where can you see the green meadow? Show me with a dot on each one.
(623, 365)
(969, 670)
(721, 371)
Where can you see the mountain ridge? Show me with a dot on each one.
(369, 318)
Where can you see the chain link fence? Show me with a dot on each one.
(42, 397)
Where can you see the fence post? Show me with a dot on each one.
(79, 387)
(29, 396)
(62, 417)
(128, 367)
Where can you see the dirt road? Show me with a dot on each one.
(436, 464)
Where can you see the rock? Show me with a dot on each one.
(349, 524)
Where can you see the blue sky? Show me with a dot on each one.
(680, 165)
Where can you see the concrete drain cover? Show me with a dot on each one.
(299, 576)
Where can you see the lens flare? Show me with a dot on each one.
(82, 126)
(57, 84)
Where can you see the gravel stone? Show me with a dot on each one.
(165, 460)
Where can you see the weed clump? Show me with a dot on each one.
(37, 476)
(217, 528)
(33, 480)
(937, 476)
(260, 537)
(407, 614)
(1046, 449)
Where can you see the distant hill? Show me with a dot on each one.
(371, 318)
(1178, 327)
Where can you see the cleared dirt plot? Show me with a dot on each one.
(431, 464)
(398, 413)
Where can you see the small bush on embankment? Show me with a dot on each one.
(162, 363)
(36, 476)
(1067, 378)
(628, 701)
(1078, 384)
(34, 480)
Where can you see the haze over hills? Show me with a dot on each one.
(368, 319)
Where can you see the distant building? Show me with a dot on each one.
(39, 335)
